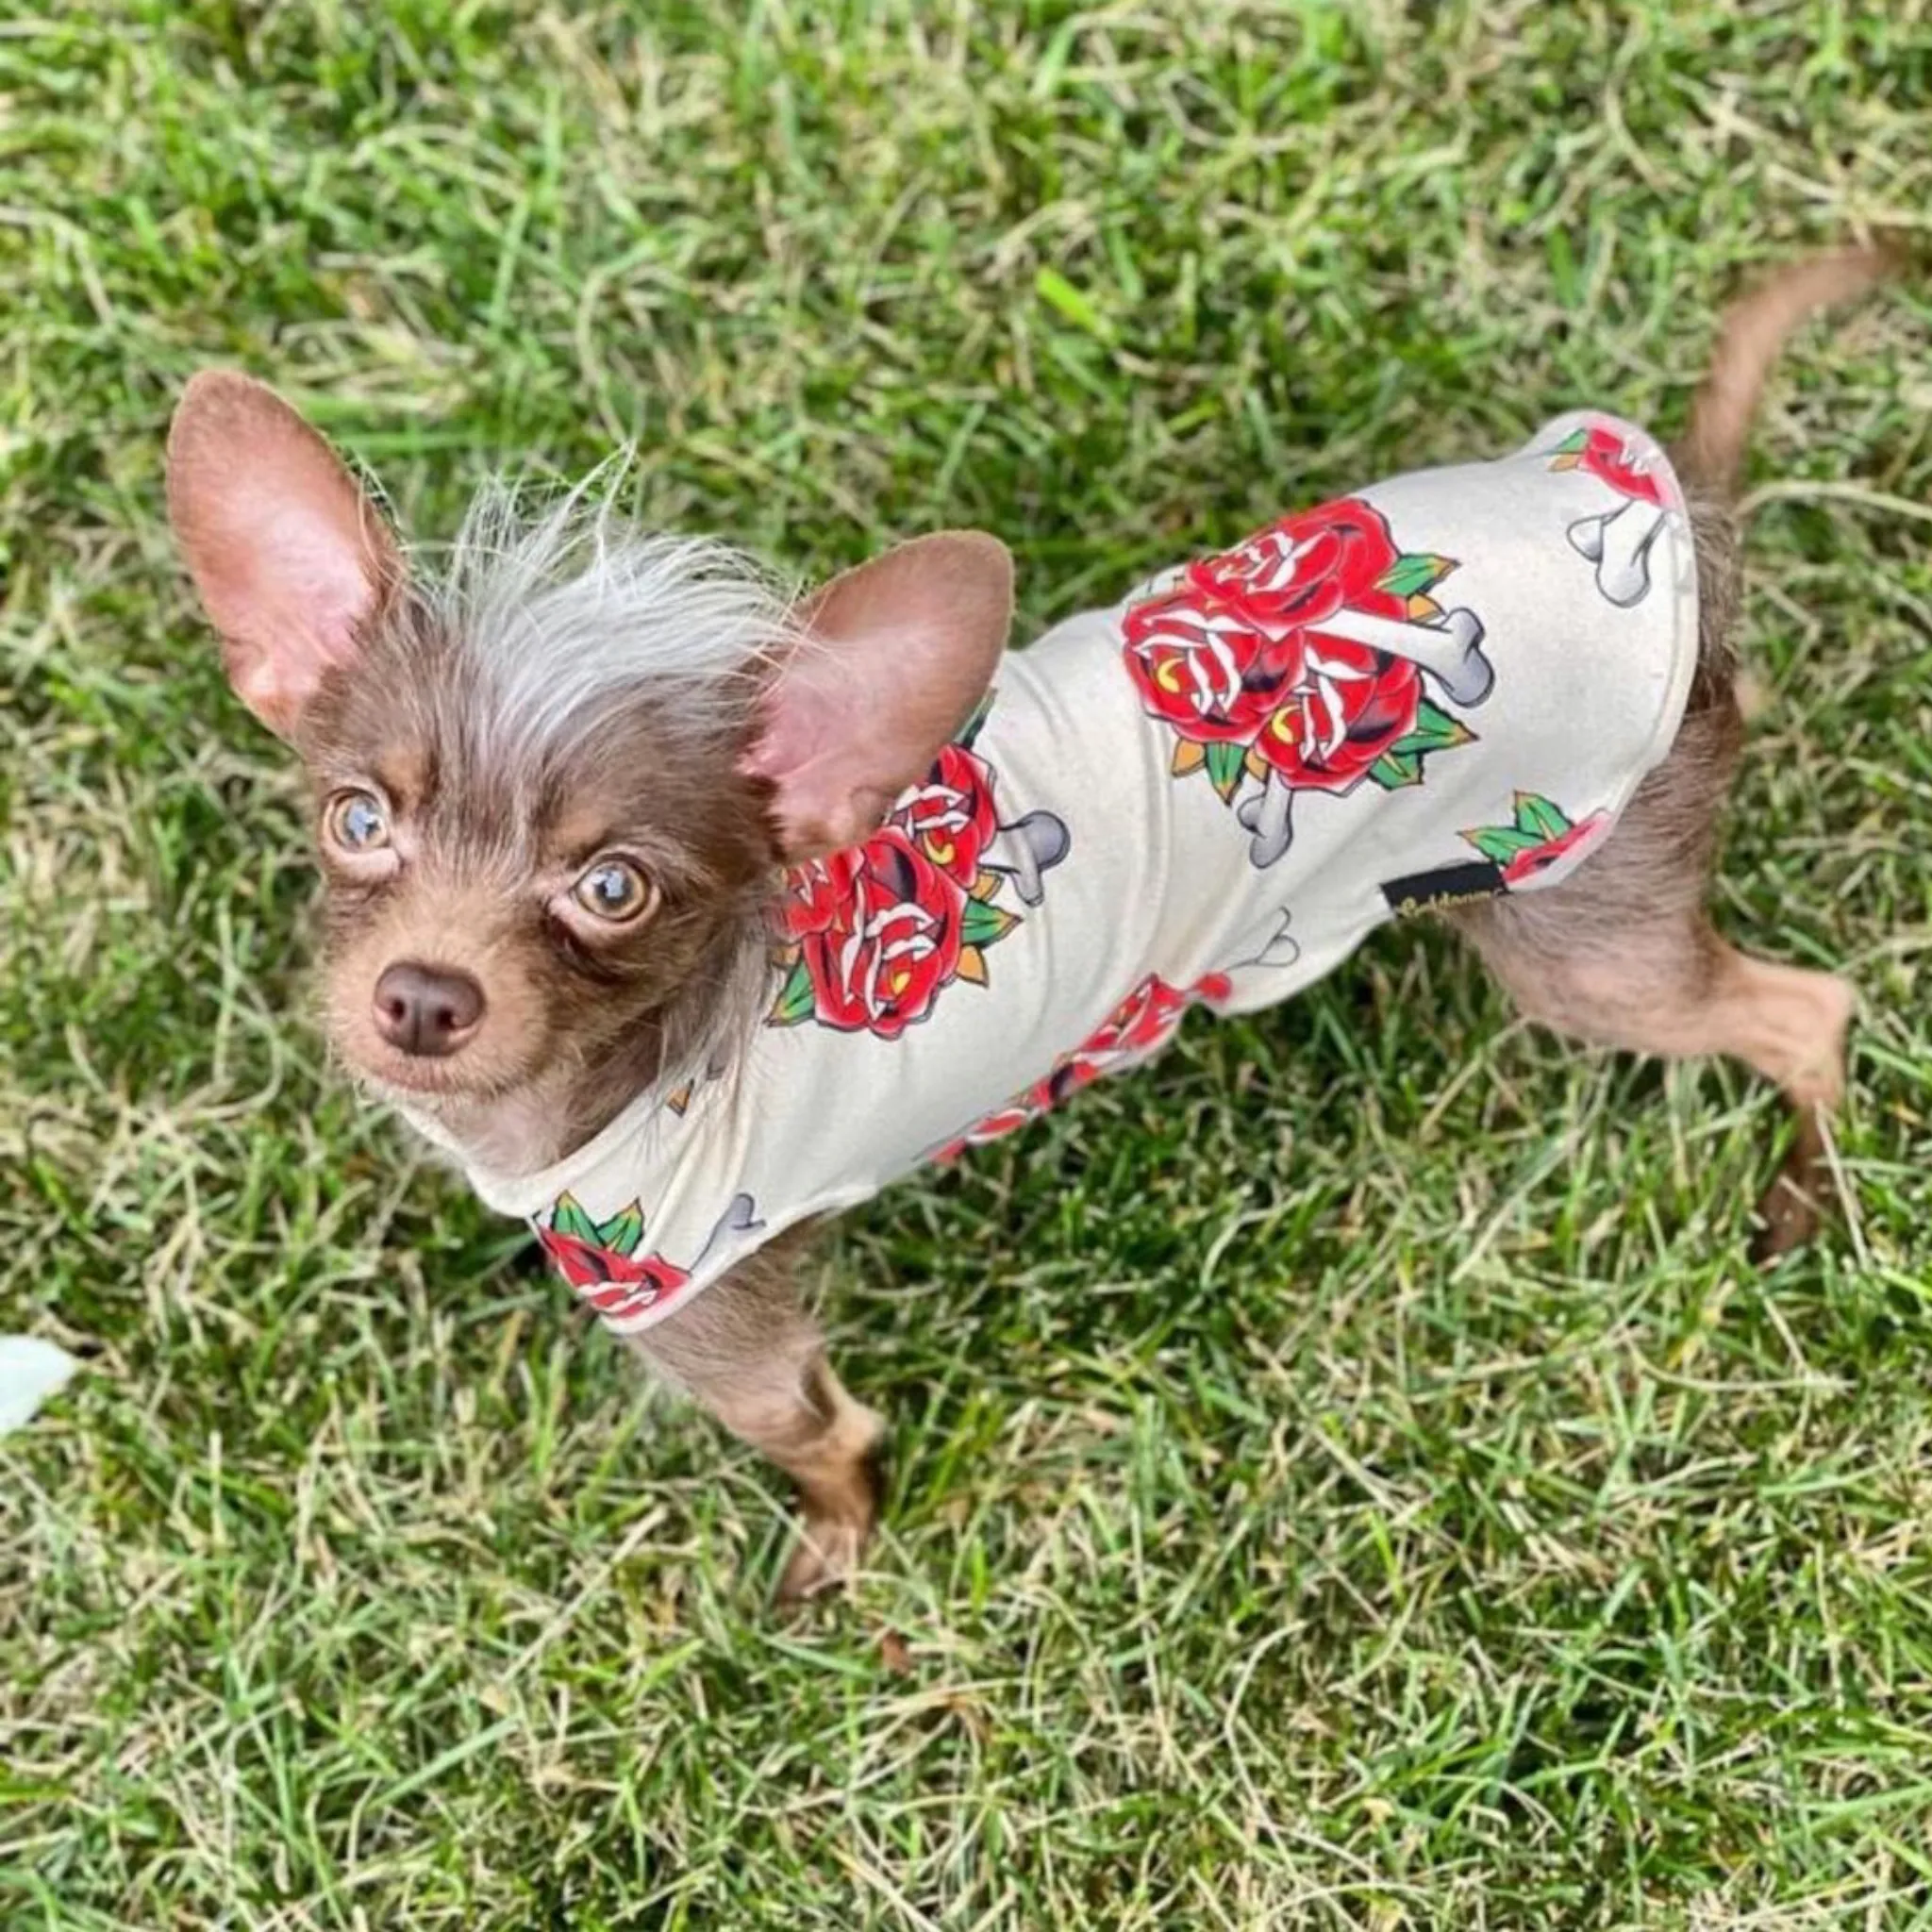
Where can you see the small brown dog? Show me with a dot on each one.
(560, 783)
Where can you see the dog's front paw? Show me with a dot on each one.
(826, 1558)
(840, 1508)
(1790, 1214)
(1793, 1208)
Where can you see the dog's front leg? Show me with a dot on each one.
(749, 1352)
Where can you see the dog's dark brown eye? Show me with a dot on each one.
(615, 889)
(358, 821)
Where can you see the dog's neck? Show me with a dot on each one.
(537, 1124)
(517, 1133)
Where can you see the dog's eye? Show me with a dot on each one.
(358, 821)
(616, 891)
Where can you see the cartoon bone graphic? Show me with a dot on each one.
(741, 1217)
(1267, 816)
(1025, 849)
(1271, 946)
(1277, 949)
(1450, 651)
(1618, 543)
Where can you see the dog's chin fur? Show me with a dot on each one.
(517, 1131)
(563, 691)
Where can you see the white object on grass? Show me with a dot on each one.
(30, 1370)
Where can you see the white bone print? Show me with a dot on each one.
(1450, 652)
(1619, 544)
(1268, 816)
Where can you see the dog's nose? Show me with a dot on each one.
(429, 1010)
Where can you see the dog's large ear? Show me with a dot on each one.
(892, 658)
(289, 555)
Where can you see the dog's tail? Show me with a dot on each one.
(1710, 453)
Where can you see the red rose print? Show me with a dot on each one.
(1146, 1020)
(815, 891)
(1220, 657)
(951, 817)
(1211, 990)
(1526, 865)
(1350, 706)
(600, 1260)
(1629, 468)
(1206, 669)
(868, 937)
(1618, 541)
(891, 941)
(1143, 1022)
(1538, 833)
(1283, 661)
(613, 1283)
(1301, 571)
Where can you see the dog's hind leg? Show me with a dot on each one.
(1623, 954)
(749, 1352)
(1685, 992)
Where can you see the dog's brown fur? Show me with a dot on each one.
(579, 1018)
(1624, 954)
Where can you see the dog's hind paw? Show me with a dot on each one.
(1793, 1208)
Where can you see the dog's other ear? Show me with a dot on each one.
(289, 555)
(891, 659)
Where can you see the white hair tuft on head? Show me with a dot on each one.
(563, 610)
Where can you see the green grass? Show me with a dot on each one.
(1347, 1477)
